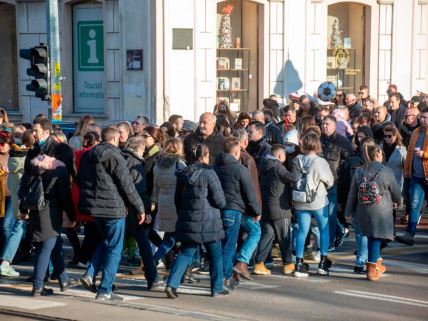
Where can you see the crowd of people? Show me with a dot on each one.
(214, 196)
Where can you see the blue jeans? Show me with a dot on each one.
(49, 250)
(253, 237)
(108, 252)
(417, 191)
(185, 257)
(141, 236)
(335, 228)
(8, 220)
(12, 243)
(231, 223)
(304, 220)
(167, 244)
(374, 249)
(361, 243)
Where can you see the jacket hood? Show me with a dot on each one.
(127, 152)
(366, 130)
(225, 159)
(167, 160)
(190, 174)
(269, 162)
(101, 152)
(18, 151)
(292, 137)
(46, 162)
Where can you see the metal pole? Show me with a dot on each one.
(55, 67)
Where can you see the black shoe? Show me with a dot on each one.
(301, 269)
(87, 283)
(66, 285)
(340, 239)
(229, 284)
(324, 265)
(225, 292)
(157, 285)
(108, 297)
(189, 278)
(171, 292)
(41, 292)
(359, 270)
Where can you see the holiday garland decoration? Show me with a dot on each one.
(225, 32)
(336, 38)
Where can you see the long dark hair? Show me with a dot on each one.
(64, 153)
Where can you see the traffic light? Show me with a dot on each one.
(39, 60)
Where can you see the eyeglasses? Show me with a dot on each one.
(339, 95)
(146, 135)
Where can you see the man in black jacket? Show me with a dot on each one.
(353, 106)
(206, 135)
(410, 123)
(257, 146)
(241, 199)
(276, 210)
(335, 148)
(106, 191)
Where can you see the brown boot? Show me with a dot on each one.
(242, 269)
(138, 271)
(372, 272)
(380, 266)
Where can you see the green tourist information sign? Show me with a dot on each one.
(90, 43)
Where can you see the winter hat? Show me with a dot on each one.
(292, 137)
(366, 130)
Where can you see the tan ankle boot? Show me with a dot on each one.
(380, 266)
(372, 272)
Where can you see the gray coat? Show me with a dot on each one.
(396, 163)
(164, 185)
(375, 220)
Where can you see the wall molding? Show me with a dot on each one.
(385, 1)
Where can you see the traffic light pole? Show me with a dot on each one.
(55, 66)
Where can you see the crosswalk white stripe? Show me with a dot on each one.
(28, 304)
(381, 299)
(389, 296)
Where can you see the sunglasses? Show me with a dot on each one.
(339, 95)
(360, 92)
(388, 136)
(146, 135)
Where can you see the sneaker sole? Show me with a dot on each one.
(86, 285)
(300, 274)
(323, 272)
(261, 273)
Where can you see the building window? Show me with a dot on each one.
(88, 58)
(347, 45)
(8, 58)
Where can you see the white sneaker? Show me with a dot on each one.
(8, 271)
(317, 257)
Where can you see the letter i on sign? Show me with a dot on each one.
(92, 44)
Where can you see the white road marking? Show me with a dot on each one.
(415, 267)
(11, 301)
(383, 297)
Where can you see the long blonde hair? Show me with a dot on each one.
(370, 149)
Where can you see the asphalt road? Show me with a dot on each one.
(401, 294)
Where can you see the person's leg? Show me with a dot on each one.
(97, 260)
(41, 264)
(266, 240)
(335, 227)
(361, 245)
(417, 195)
(90, 242)
(115, 230)
(374, 249)
(8, 221)
(231, 223)
(145, 249)
(216, 266)
(167, 244)
(282, 229)
(75, 244)
(304, 222)
(181, 263)
(322, 217)
(57, 259)
(253, 237)
(15, 238)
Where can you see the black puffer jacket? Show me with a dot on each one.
(199, 198)
(275, 181)
(272, 134)
(214, 142)
(106, 186)
(237, 185)
(259, 150)
(335, 149)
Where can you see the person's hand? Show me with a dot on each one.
(257, 218)
(418, 153)
(141, 217)
(394, 205)
(149, 219)
(23, 216)
(72, 224)
(153, 207)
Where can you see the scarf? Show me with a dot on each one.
(388, 150)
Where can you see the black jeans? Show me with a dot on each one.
(90, 242)
(271, 229)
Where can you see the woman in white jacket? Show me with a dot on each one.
(312, 201)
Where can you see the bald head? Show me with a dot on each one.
(206, 124)
(351, 99)
(258, 115)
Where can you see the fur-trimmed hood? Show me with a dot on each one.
(167, 160)
(46, 162)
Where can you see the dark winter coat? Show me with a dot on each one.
(272, 134)
(237, 185)
(355, 110)
(199, 198)
(275, 182)
(397, 115)
(47, 223)
(335, 150)
(345, 174)
(106, 185)
(248, 161)
(164, 186)
(406, 132)
(214, 142)
(375, 220)
(150, 157)
(259, 150)
(135, 165)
